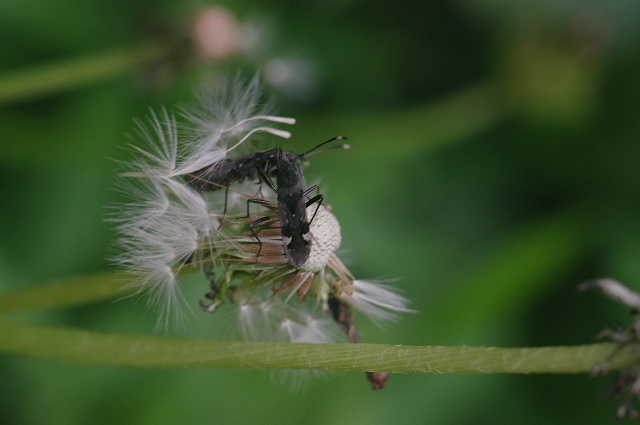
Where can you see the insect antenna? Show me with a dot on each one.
(314, 150)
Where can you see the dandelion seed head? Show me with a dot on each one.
(170, 224)
(166, 224)
(320, 277)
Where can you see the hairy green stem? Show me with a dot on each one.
(53, 343)
(51, 78)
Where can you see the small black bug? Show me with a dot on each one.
(235, 170)
(286, 167)
(291, 207)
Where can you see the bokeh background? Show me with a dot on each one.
(494, 168)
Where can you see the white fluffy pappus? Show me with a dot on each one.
(169, 224)
(166, 225)
(226, 118)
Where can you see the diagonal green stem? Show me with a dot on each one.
(160, 352)
(64, 75)
(81, 290)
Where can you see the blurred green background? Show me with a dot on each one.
(494, 167)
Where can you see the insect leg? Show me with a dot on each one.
(224, 211)
(267, 180)
(257, 201)
(253, 224)
(258, 221)
(318, 198)
(310, 189)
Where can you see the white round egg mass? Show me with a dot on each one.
(325, 238)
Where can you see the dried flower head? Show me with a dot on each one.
(256, 274)
(190, 208)
(166, 223)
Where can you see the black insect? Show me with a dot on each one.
(291, 207)
(286, 167)
(224, 173)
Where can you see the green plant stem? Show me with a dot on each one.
(60, 294)
(46, 79)
(53, 343)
